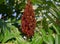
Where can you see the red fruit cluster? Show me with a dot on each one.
(28, 20)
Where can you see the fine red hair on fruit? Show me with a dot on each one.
(28, 20)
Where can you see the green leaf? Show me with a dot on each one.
(50, 39)
(43, 32)
(37, 39)
(8, 35)
(36, 1)
(57, 39)
(56, 29)
(1, 1)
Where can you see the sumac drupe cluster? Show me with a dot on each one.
(28, 20)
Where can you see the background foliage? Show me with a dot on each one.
(47, 14)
